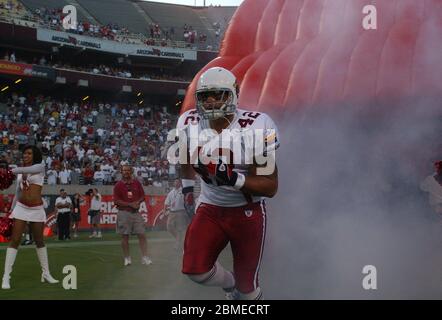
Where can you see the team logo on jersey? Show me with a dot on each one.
(248, 213)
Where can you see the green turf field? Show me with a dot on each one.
(101, 274)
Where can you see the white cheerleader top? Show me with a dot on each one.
(34, 174)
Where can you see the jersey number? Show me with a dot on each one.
(192, 119)
(253, 115)
(248, 122)
(245, 122)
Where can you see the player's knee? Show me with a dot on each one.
(201, 278)
(253, 295)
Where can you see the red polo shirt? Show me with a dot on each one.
(128, 192)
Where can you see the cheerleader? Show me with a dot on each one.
(28, 207)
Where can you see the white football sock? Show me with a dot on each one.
(254, 295)
(217, 277)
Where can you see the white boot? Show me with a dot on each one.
(42, 254)
(11, 253)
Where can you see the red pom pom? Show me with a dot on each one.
(6, 178)
(6, 225)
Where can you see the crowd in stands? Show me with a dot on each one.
(155, 34)
(85, 142)
(53, 18)
(12, 7)
(191, 36)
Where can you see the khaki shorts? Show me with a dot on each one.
(130, 223)
(178, 220)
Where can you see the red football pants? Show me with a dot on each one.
(213, 227)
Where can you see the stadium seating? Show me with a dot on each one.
(167, 16)
(16, 10)
(32, 5)
(110, 12)
(217, 14)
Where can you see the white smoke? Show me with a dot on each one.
(349, 197)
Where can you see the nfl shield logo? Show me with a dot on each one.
(248, 213)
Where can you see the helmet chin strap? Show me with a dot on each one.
(227, 120)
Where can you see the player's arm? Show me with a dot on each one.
(261, 186)
(262, 180)
(187, 171)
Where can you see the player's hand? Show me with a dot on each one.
(223, 173)
(189, 201)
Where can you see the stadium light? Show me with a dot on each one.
(139, 94)
(85, 98)
(5, 88)
(18, 81)
(141, 102)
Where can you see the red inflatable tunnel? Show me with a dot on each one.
(293, 54)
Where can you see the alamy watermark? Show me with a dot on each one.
(370, 21)
(70, 280)
(231, 146)
(370, 280)
(70, 21)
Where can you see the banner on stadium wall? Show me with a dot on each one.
(151, 210)
(28, 70)
(43, 72)
(80, 41)
(19, 69)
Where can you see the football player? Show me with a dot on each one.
(231, 208)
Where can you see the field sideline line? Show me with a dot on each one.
(89, 243)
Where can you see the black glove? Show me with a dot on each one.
(189, 201)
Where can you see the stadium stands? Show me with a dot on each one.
(220, 15)
(87, 137)
(110, 12)
(12, 7)
(172, 16)
(34, 5)
(205, 25)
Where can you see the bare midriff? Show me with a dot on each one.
(31, 196)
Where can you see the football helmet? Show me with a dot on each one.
(216, 94)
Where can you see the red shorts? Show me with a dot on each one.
(213, 227)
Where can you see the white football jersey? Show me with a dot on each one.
(252, 137)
